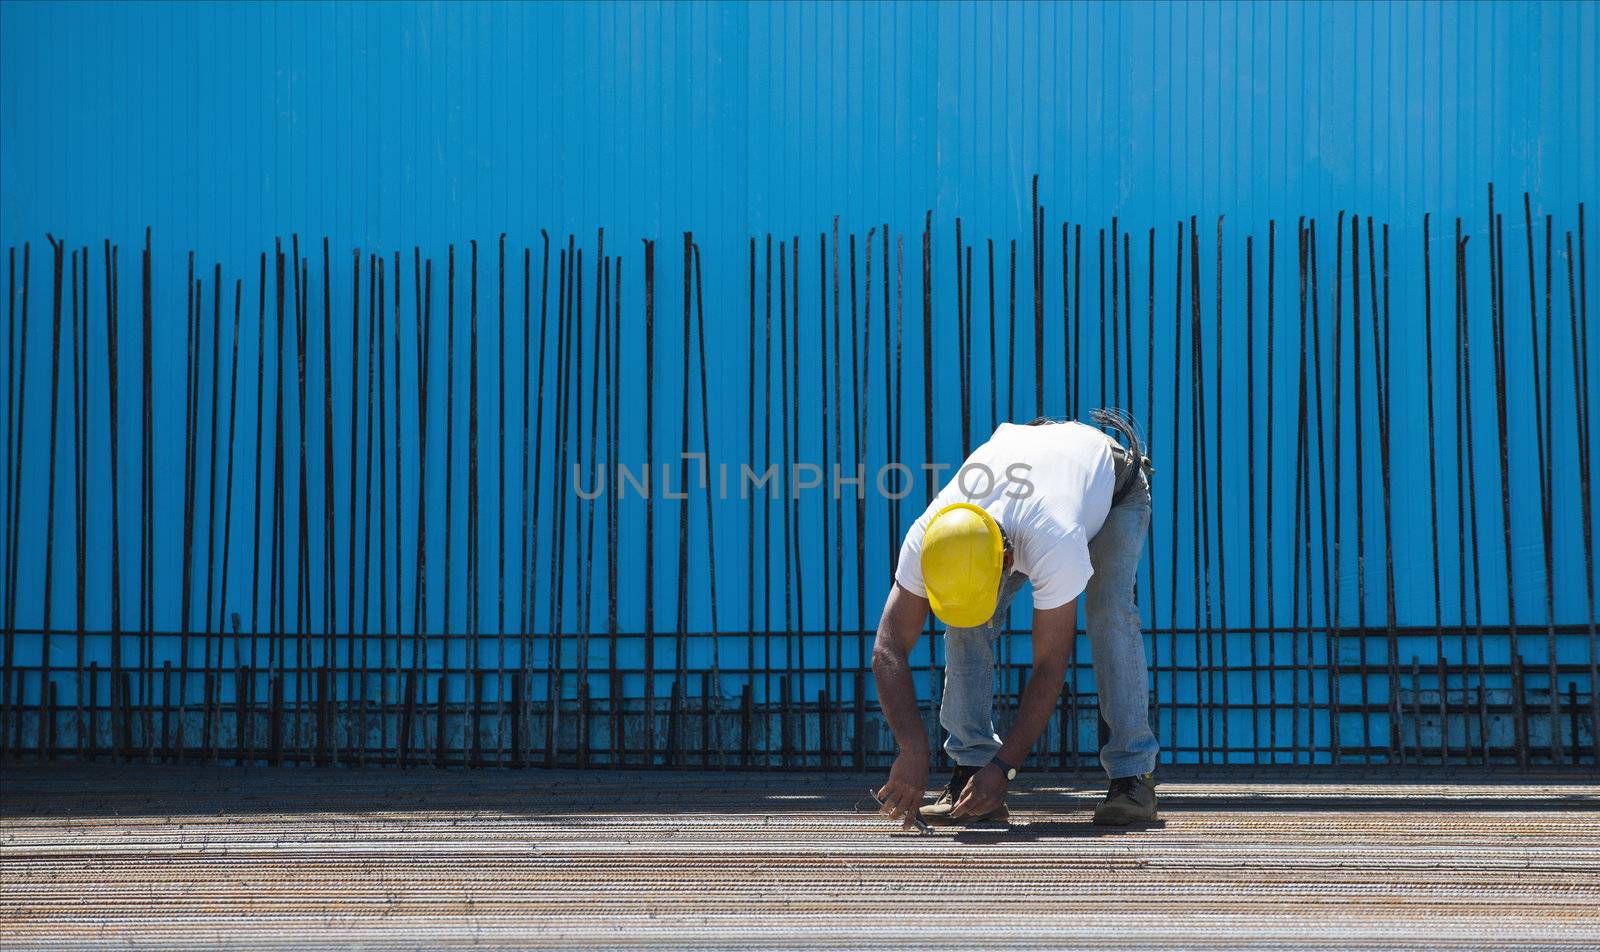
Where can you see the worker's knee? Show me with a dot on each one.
(1111, 609)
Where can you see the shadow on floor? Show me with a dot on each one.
(1025, 831)
(75, 789)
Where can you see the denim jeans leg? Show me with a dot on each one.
(966, 711)
(1116, 644)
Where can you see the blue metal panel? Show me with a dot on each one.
(385, 126)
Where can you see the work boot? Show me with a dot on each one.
(938, 812)
(1130, 800)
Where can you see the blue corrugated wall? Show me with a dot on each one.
(385, 126)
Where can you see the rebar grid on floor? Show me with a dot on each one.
(1288, 857)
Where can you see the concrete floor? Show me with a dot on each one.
(181, 857)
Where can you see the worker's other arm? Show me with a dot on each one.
(898, 630)
(1053, 630)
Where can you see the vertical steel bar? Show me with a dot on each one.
(449, 489)
(799, 575)
(11, 709)
(1150, 429)
(859, 373)
(1381, 366)
(714, 701)
(536, 569)
(500, 491)
(680, 654)
(571, 314)
(1497, 296)
(963, 357)
(302, 491)
(1542, 447)
(822, 437)
(649, 510)
(191, 414)
(474, 547)
(59, 253)
(399, 493)
(1360, 433)
(375, 312)
(524, 593)
(1322, 495)
(1102, 320)
(1011, 336)
(1116, 308)
(350, 560)
(786, 483)
(148, 528)
(1336, 619)
(227, 512)
(12, 472)
(1580, 413)
(1464, 431)
(1221, 417)
(613, 458)
(1301, 495)
(1202, 514)
(113, 441)
(1127, 316)
(838, 501)
(211, 504)
(1172, 588)
(1077, 321)
(80, 376)
(1037, 234)
(419, 603)
(1584, 439)
(147, 517)
(558, 506)
(750, 499)
(1067, 348)
(1548, 499)
(1433, 492)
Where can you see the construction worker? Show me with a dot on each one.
(1066, 507)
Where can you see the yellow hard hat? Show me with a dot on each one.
(963, 555)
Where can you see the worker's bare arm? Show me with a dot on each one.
(904, 615)
(900, 628)
(1053, 631)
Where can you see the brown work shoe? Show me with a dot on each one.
(1130, 800)
(937, 813)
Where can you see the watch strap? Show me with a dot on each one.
(1009, 770)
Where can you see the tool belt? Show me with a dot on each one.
(1127, 463)
(1127, 457)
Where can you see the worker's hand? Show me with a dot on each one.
(986, 791)
(908, 782)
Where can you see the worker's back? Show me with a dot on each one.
(1048, 486)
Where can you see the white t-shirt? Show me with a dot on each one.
(1049, 487)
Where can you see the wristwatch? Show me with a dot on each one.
(1005, 768)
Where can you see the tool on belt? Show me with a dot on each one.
(1128, 456)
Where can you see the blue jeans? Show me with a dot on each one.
(1116, 645)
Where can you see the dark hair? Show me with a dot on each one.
(1041, 421)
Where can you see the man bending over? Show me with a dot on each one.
(1066, 507)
